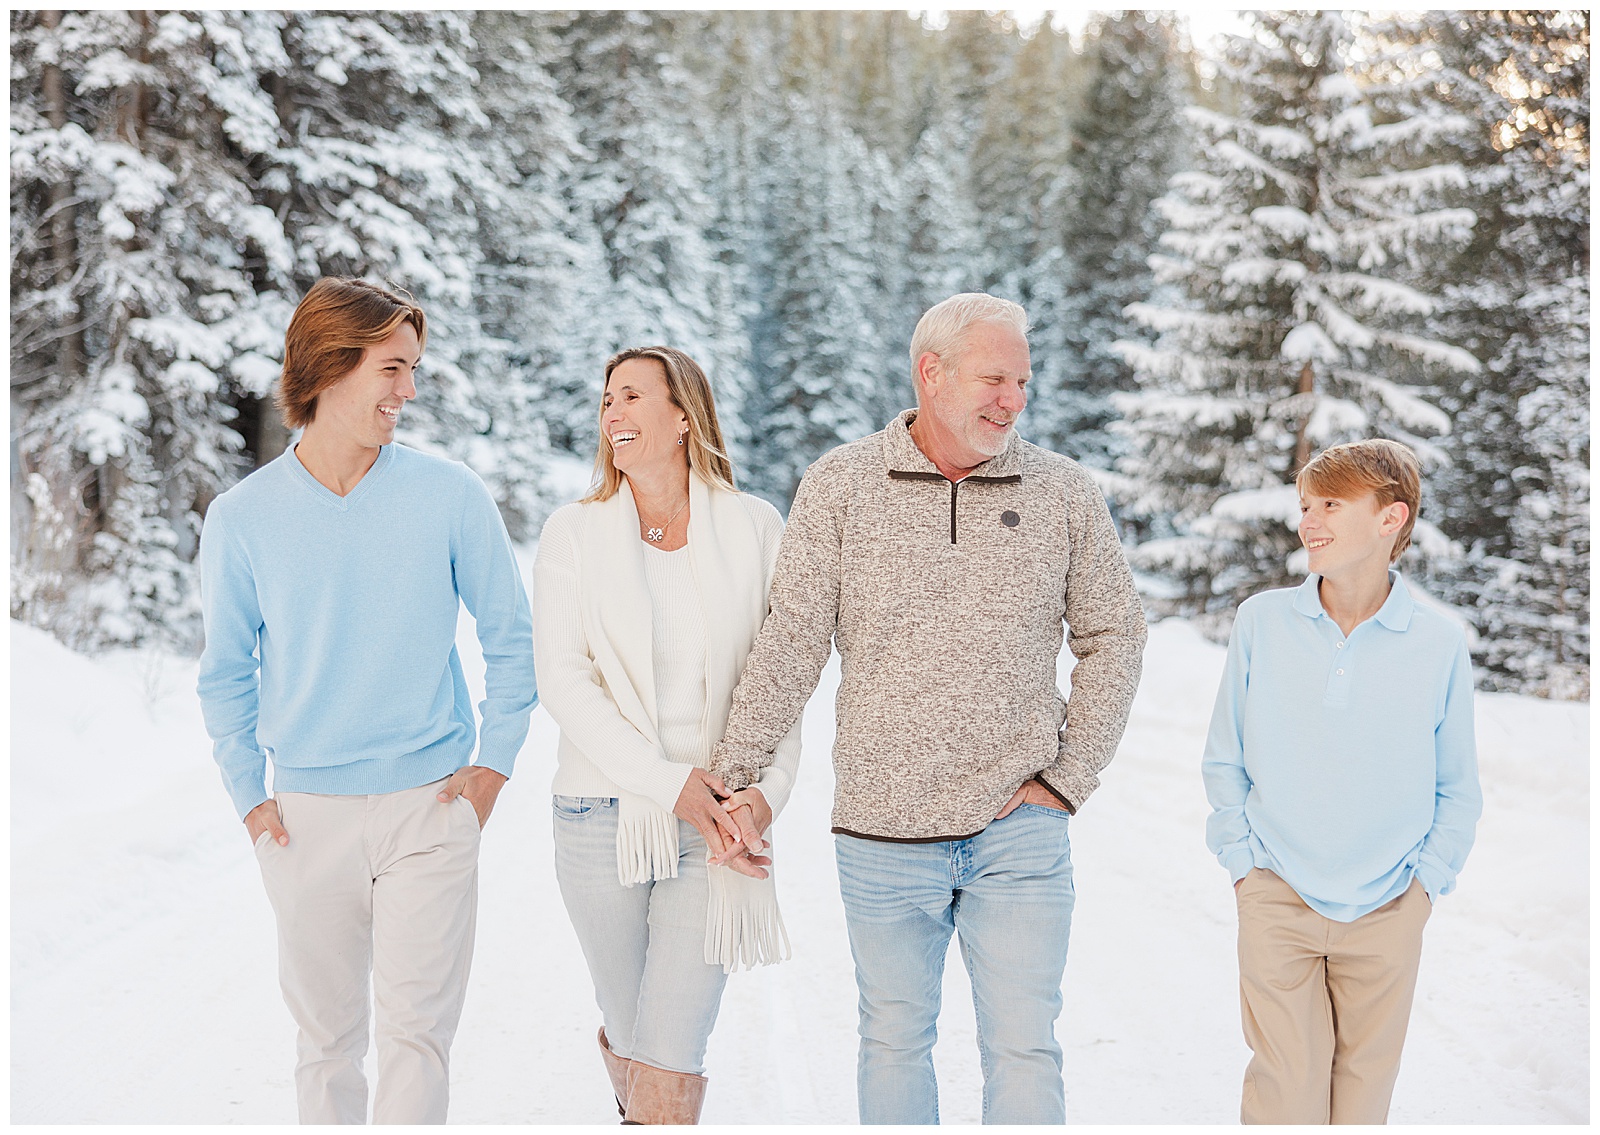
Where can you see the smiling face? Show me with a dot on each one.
(640, 421)
(363, 407)
(972, 407)
(1347, 536)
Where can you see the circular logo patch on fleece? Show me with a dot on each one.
(1010, 519)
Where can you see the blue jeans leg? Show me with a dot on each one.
(645, 944)
(1013, 914)
(897, 901)
(1008, 893)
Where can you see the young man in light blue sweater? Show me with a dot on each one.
(331, 581)
(1343, 781)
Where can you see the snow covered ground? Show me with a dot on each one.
(142, 950)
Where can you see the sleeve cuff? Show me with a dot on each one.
(249, 796)
(738, 766)
(502, 763)
(1239, 863)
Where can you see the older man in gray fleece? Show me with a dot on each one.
(945, 555)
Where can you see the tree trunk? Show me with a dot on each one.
(63, 216)
(1302, 439)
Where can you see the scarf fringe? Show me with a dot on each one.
(647, 842)
(744, 927)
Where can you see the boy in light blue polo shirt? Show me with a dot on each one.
(1342, 775)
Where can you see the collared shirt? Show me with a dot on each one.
(1345, 764)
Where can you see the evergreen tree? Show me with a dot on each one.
(137, 252)
(1515, 491)
(1099, 230)
(816, 369)
(1287, 243)
(645, 272)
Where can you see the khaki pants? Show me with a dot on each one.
(1325, 1003)
(381, 891)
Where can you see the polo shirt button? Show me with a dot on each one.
(1341, 646)
(1340, 671)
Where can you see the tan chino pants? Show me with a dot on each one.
(382, 892)
(1325, 1004)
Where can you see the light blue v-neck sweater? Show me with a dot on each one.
(1344, 764)
(331, 622)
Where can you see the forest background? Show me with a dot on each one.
(1332, 226)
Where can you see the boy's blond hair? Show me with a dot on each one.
(1386, 468)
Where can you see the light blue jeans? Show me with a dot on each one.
(645, 944)
(1007, 892)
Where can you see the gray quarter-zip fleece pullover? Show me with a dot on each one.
(947, 601)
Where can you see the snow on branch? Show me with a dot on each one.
(1408, 409)
(1376, 293)
(1433, 351)
(1281, 502)
(1309, 341)
(1279, 141)
(1238, 157)
(1414, 182)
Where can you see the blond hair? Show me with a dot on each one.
(690, 392)
(1387, 469)
(943, 328)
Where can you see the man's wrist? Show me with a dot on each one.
(1039, 779)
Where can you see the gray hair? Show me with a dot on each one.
(942, 330)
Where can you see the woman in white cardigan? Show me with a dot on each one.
(648, 594)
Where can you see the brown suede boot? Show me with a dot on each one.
(617, 1069)
(658, 1097)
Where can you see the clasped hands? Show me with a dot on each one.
(730, 823)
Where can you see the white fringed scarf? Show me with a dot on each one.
(743, 925)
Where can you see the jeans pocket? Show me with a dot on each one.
(1046, 809)
(577, 807)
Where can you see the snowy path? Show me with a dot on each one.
(143, 973)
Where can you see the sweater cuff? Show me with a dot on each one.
(739, 766)
(502, 763)
(1239, 863)
(248, 795)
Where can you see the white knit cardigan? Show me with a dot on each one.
(593, 652)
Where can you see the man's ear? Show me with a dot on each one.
(929, 370)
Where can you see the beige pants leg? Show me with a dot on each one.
(381, 891)
(1325, 1004)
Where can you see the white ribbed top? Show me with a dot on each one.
(679, 654)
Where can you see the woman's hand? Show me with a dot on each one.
(700, 803)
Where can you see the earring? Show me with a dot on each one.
(680, 437)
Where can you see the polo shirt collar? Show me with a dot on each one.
(903, 455)
(1394, 614)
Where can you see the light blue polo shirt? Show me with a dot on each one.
(1346, 765)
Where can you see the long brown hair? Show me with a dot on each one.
(690, 392)
(330, 331)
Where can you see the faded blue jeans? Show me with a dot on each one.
(1007, 892)
(645, 944)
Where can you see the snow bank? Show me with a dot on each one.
(143, 972)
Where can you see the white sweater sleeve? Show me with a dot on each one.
(569, 682)
(777, 779)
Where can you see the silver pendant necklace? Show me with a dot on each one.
(656, 535)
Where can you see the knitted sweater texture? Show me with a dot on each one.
(948, 603)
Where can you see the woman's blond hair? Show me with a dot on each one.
(690, 392)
